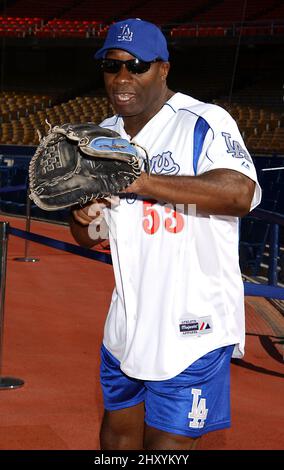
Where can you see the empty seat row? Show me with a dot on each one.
(14, 104)
(94, 20)
(231, 29)
(23, 130)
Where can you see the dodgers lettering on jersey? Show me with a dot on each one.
(179, 292)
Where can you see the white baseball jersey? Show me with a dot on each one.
(179, 292)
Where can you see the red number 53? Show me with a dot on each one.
(173, 223)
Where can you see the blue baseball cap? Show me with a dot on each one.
(140, 38)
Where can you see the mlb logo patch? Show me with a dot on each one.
(204, 326)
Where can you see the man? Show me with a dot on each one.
(177, 312)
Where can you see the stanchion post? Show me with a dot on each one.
(27, 258)
(273, 255)
(5, 382)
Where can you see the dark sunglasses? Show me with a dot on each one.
(132, 65)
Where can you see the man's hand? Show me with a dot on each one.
(88, 225)
(91, 212)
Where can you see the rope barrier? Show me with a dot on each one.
(251, 289)
(60, 245)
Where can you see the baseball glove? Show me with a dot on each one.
(75, 163)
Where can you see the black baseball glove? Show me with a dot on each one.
(75, 163)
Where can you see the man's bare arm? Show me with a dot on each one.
(216, 192)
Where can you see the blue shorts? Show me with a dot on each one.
(191, 404)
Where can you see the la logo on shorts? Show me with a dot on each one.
(198, 413)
